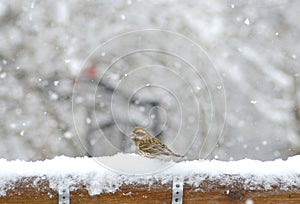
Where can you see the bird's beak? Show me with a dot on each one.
(132, 137)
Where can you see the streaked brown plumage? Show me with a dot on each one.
(150, 146)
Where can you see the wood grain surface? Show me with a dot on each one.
(209, 192)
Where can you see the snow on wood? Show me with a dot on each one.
(112, 174)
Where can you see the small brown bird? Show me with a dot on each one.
(150, 146)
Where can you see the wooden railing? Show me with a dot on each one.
(27, 190)
(87, 180)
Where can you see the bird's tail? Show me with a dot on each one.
(178, 158)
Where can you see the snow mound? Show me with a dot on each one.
(107, 174)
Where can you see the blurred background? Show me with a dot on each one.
(216, 79)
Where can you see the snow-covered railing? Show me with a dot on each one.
(129, 178)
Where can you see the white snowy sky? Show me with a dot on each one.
(239, 99)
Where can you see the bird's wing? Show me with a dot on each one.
(155, 147)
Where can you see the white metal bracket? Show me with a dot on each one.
(177, 190)
(64, 196)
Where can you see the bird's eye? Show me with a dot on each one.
(139, 133)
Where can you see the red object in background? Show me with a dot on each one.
(91, 72)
